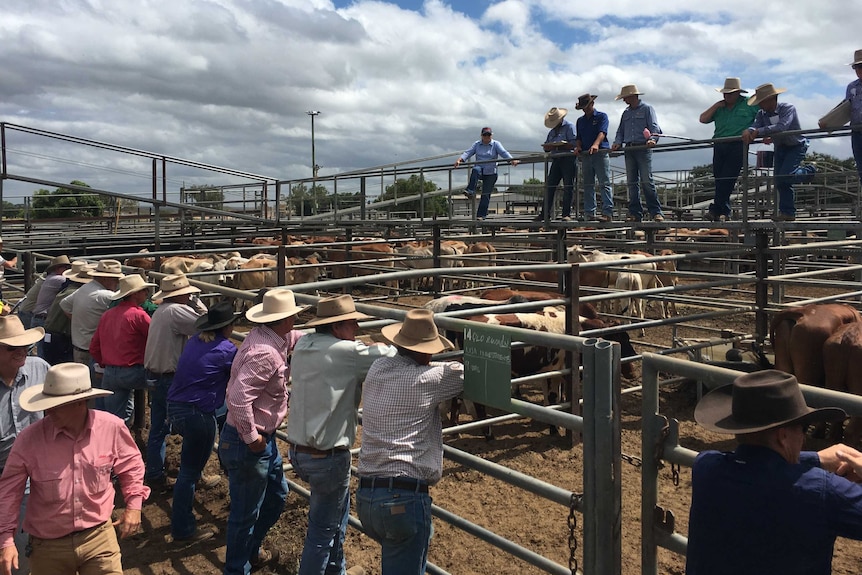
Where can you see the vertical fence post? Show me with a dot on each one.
(649, 470)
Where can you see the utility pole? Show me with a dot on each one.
(314, 166)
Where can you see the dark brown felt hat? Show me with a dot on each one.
(759, 401)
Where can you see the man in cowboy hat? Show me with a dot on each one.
(58, 326)
(4, 265)
(51, 286)
(402, 445)
(257, 404)
(118, 346)
(776, 508)
(69, 457)
(486, 151)
(560, 142)
(591, 146)
(19, 371)
(854, 96)
(87, 305)
(195, 396)
(638, 128)
(731, 115)
(26, 309)
(770, 123)
(327, 368)
(170, 328)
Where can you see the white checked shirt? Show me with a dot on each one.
(402, 435)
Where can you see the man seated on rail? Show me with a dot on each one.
(768, 506)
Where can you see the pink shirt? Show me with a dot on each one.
(257, 389)
(70, 477)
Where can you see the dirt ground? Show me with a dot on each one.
(531, 522)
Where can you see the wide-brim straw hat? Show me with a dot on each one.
(759, 401)
(731, 85)
(107, 269)
(58, 262)
(129, 285)
(584, 101)
(554, 117)
(79, 272)
(335, 309)
(174, 285)
(417, 333)
(13, 334)
(277, 304)
(64, 383)
(217, 317)
(763, 92)
(857, 58)
(630, 90)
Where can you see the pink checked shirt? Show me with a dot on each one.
(70, 477)
(257, 389)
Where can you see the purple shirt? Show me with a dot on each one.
(202, 373)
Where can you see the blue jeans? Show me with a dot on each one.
(198, 429)
(39, 321)
(856, 144)
(400, 520)
(159, 427)
(639, 175)
(258, 491)
(563, 169)
(788, 172)
(328, 477)
(122, 381)
(59, 349)
(597, 167)
(488, 181)
(726, 164)
(26, 318)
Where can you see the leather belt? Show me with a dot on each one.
(405, 483)
(315, 451)
(81, 349)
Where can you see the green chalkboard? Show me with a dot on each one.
(488, 366)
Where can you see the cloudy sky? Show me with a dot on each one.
(229, 82)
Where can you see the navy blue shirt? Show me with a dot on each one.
(589, 128)
(754, 513)
(202, 373)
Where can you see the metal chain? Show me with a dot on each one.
(659, 445)
(632, 459)
(674, 472)
(574, 502)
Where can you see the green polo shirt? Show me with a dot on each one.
(733, 121)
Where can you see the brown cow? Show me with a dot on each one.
(842, 356)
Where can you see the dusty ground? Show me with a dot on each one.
(533, 523)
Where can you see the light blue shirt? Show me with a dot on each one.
(484, 153)
(854, 94)
(772, 124)
(13, 419)
(633, 122)
(565, 132)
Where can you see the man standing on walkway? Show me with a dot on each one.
(854, 95)
(560, 143)
(486, 151)
(638, 129)
(257, 404)
(327, 367)
(591, 146)
(731, 115)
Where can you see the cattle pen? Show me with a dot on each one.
(724, 283)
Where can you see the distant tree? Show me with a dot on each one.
(530, 187)
(411, 187)
(67, 203)
(205, 197)
(305, 202)
(11, 210)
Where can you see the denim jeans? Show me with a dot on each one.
(159, 427)
(39, 321)
(639, 175)
(597, 167)
(565, 169)
(726, 164)
(856, 144)
(198, 429)
(488, 181)
(59, 349)
(328, 477)
(26, 318)
(258, 491)
(787, 172)
(400, 520)
(122, 381)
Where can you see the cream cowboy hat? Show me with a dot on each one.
(759, 401)
(857, 59)
(335, 309)
(584, 100)
(554, 117)
(417, 333)
(79, 272)
(130, 284)
(107, 269)
(174, 285)
(630, 90)
(277, 304)
(57, 262)
(731, 85)
(13, 334)
(64, 383)
(763, 92)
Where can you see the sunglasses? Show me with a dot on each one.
(857, 66)
(15, 348)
